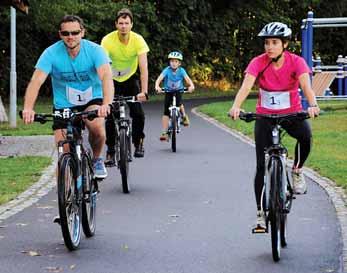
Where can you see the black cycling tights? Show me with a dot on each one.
(300, 130)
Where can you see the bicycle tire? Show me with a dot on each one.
(89, 198)
(284, 218)
(275, 175)
(124, 159)
(69, 207)
(283, 230)
(174, 131)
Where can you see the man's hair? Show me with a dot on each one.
(123, 13)
(71, 18)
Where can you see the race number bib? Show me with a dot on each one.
(120, 73)
(77, 97)
(275, 100)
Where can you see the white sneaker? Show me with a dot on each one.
(261, 219)
(299, 182)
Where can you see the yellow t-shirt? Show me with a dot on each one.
(124, 57)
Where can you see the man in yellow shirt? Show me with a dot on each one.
(128, 52)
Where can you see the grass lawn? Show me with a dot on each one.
(18, 173)
(329, 152)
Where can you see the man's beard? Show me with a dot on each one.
(71, 48)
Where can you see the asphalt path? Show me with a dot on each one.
(188, 212)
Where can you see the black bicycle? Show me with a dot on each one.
(122, 136)
(175, 118)
(278, 194)
(77, 186)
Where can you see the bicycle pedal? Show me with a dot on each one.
(259, 230)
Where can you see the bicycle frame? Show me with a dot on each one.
(278, 151)
(174, 112)
(123, 137)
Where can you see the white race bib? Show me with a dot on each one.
(275, 100)
(77, 97)
(120, 73)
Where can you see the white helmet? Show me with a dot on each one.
(175, 55)
(275, 30)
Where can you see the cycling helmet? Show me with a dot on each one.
(275, 30)
(175, 55)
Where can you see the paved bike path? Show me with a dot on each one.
(189, 211)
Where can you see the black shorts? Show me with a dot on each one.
(168, 101)
(130, 87)
(59, 124)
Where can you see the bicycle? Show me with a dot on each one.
(122, 137)
(278, 194)
(175, 118)
(77, 186)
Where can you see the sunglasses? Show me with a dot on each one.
(68, 33)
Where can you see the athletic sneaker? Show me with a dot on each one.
(299, 182)
(99, 168)
(185, 120)
(164, 136)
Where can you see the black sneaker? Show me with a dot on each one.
(56, 220)
(110, 159)
(139, 150)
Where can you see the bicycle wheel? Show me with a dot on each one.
(275, 175)
(283, 218)
(69, 205)
(283, 229)
(174, 131)
(89, 198)
(124, 159)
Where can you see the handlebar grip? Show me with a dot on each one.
(92, 114)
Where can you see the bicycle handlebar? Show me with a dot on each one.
(250, 116)
(119, 98)
(183, 90)
(67, 114)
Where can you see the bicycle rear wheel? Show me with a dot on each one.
(124, 159)
(275, 176)
(174, 131)
(69, 204)
(89, 198)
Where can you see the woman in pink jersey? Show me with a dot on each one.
(279, 74)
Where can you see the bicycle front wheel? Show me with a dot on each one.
(124, 159)
(89, 198)
(275, 176)
(174, 131)
(69, 204)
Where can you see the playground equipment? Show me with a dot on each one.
(324, 75)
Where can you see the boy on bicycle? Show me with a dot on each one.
(174, 77)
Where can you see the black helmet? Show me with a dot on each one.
(275, 30)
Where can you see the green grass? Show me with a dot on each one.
(34, 129)
(329, 152)
(18, 173)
